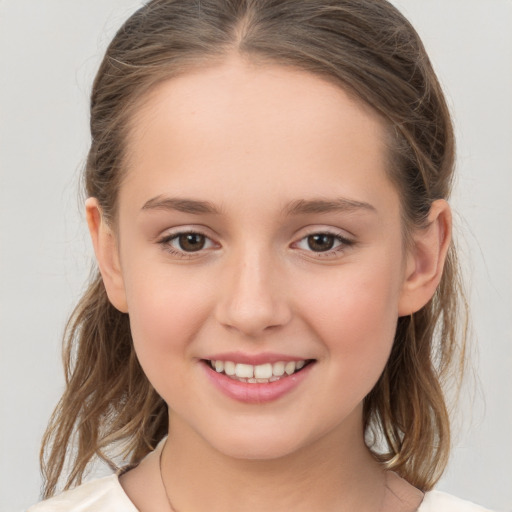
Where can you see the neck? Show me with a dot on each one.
(334, 473)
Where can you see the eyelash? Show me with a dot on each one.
(165, 242)
(344, 243)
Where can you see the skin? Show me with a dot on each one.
(253, 141)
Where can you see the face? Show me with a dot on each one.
(259, 235)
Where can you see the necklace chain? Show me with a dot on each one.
(171, 507)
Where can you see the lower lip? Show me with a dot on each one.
(256, 393)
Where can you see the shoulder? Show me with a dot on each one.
(101, 495)
(437, 501)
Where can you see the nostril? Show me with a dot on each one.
(251, 300)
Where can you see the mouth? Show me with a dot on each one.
(258, 374)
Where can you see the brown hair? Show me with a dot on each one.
(368, 48)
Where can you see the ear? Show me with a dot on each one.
(426, 258)
(107, 254)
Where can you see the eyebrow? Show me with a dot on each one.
(184, 205)
(303, 206)
(299, 207)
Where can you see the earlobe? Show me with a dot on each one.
(107, 255)
(426, 259)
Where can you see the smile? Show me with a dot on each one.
(257, 374)
(273, 378)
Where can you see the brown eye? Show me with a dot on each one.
(187, 244)
(321, 242)
(191, 242)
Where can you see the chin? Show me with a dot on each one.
(260, 450)
(257, 443)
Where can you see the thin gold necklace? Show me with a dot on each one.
(171, 507)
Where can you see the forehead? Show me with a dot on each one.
(262, 129)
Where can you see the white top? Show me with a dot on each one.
(107, 495)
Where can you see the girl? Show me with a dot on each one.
(277, 303)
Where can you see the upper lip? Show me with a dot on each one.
(254, 359)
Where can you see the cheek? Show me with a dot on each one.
(355, 315)
(166, 312)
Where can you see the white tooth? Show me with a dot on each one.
(273, 378)
(263, 371)
(219, 366)
(262, 381)
(252, 381)
(229, 368)
(300, 364)
(244, 370)
(278, 369)
(289, 367)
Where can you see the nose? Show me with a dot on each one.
(253, 295)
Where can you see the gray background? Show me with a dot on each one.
(49, 51)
